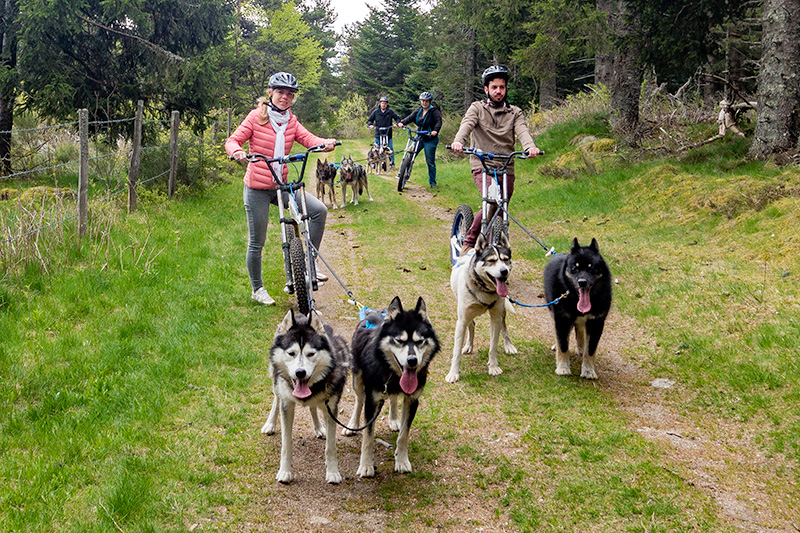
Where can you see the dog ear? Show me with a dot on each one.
(594, 246)
(480, 244)
(287, 323)
(504, 240)
(395, 308)
(575, 246)
(421, 309)
(316, 322)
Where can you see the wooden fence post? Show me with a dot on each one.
(136, 157)
(173, 151)
(83, 171)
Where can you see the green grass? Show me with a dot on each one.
(135, 376)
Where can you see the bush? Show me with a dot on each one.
(351, 118)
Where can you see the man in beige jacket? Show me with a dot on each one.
(493, 125)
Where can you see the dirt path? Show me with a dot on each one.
(717, 456)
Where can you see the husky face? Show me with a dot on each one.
(584, 268)
(493, 264)
(326, 172)
(347, 169)
(301, 354)
(408, 343)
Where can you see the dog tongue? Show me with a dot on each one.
(301, 389)
(584, 303)
(502, 289)
(409, 381)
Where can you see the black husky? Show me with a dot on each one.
(584, 274)
(390, 357)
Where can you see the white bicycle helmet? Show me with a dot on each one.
(283, 80)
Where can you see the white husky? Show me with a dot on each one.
(478, 281)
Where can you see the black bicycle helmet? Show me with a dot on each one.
(283, 80)
(425, 96)
(495, 71)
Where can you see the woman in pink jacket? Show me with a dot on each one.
(271, 129)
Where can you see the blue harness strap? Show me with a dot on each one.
(362, 316)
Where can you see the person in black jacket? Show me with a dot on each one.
(383, 117)
(428, 118)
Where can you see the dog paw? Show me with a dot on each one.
(466, 349)
(588, 373)
(366, 471)
(349, 433)
(563, 371)
(402, 466)
(452, 377)
(320, 432)
(511, 349)
(394, 424)
(268, 429)
(495, 370)
(333, 478)
(284, 476)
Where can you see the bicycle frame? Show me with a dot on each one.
(383, 135)
(498, 197)
(297, 222)
(412, 144)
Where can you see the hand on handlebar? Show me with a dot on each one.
(457, 147)
(239, 155)
(372, 127)
(330, 144)
(533, 152)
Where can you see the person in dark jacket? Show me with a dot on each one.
(428, 118)
(383, 117)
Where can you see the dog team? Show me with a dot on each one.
(390, 352)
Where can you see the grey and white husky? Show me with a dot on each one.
(309, 367)
(478, 280)
(391, 355)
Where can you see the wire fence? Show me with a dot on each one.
(57, 153)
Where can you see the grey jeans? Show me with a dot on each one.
(256, 206)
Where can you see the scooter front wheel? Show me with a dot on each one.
(298, 257)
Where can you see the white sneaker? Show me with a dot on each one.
(262, 296)
(320, 275)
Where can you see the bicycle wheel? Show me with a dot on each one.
(497, 227)
(404, 174)
(298, 257)
(461, 224)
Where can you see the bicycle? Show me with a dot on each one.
(299, 255)
(494, 191)
(411, 151)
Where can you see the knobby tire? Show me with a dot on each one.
(298, 257)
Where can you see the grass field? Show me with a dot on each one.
(134, 375)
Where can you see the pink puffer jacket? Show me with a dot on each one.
(262, 141)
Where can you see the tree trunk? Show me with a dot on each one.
(469, 68)
(778, 123)
(603, 59)
(548, 97)
(626, 79)
(8, 61)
